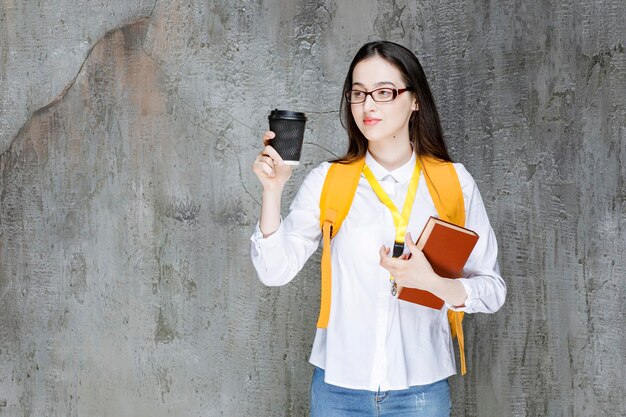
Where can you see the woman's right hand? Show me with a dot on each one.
(269, 166)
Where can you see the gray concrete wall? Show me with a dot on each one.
(127, 134)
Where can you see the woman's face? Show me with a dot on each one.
(386, 121)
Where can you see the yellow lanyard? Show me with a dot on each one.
(400, 221)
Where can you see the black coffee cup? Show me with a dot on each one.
(289, 129)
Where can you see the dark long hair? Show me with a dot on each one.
(425, 130)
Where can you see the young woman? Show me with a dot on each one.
(379, 356)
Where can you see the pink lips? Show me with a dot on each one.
(370, 122)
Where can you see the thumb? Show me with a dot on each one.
(410, 244)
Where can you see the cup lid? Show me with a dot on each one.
(286, 114)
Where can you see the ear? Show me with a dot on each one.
(415, 106)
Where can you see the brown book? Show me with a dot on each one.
(447, 247)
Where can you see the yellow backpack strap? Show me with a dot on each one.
(447, 194)
(448, 198)
(337, 195)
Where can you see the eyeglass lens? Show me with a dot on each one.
(380, 95)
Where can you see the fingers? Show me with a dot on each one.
(267, 136)
(394, 265)
(271, 152)
(265, 164)
(383, 251)
(268, 150)
(386, 261)
(267, 160)
(408, 240)
(410, 244)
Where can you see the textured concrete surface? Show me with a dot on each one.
(42, 46)
(127, 133)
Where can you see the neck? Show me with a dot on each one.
(391, 155)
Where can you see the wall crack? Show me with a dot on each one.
(69, 85)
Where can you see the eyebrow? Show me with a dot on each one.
(375, 85)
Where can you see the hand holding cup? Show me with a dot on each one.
(269, 167)
(288, 127)
(275, 163)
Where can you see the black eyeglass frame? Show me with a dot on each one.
(396, 93)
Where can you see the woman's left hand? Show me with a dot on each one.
(411, 271)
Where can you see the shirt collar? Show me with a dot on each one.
(401, 175)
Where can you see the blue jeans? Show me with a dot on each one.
(432, 400)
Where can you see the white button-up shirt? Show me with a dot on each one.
(373, 340)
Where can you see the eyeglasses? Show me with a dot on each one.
(380, 95)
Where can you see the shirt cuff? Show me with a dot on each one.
(267, 242)
(470, 301)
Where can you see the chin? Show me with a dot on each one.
(369, 135)
(378, 138)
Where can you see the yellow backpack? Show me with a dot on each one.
(335, 201)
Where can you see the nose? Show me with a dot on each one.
(369, 104)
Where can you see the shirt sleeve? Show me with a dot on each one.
(279, 257)
(486, 290)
